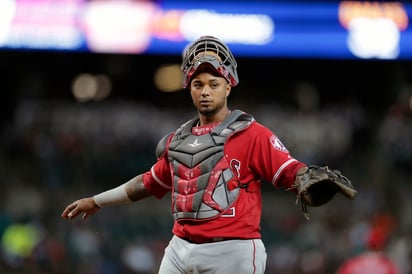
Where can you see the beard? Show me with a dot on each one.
(212, 110)
(208, 112)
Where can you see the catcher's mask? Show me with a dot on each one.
(211, 50)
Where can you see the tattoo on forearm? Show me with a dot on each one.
(136, 190)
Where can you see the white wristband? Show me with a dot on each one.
(114, 196)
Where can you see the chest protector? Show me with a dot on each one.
(201, 173)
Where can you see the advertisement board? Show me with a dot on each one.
(340, 30)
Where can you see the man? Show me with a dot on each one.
(213, 166)
(374, 259)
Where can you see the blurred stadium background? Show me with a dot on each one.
(85, 101)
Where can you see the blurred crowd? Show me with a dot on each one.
(56, 151)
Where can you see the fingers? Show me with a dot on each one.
(86, 206)
(85, 215)
(71, 211)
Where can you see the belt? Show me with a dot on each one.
(196, 240)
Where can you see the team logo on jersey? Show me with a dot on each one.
(235, 165)
(277, 144)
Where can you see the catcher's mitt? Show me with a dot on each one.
(317, 186)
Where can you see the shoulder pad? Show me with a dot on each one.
(161, 146)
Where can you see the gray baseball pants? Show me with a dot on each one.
(224, 257)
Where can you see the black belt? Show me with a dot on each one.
(196, 240)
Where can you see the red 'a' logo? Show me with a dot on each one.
(277, 144)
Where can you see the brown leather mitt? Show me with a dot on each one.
(318, 185)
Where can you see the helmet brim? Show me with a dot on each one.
(206, 63)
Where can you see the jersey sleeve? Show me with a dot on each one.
(158, 180)
(271, 159)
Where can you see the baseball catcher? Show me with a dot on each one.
(317, 185)
(212, 168)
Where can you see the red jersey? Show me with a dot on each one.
(254, 153)
(369, 263)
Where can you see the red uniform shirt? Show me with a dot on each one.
(254, 154)
(369, 263)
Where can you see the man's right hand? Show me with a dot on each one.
(87, 206)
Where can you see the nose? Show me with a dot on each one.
(205, 91)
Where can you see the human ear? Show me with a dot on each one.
(228, 89)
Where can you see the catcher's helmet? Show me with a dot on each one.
(213, 51)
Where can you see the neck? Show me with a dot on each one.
(216, 118)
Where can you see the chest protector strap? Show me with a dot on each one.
(201, 173)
